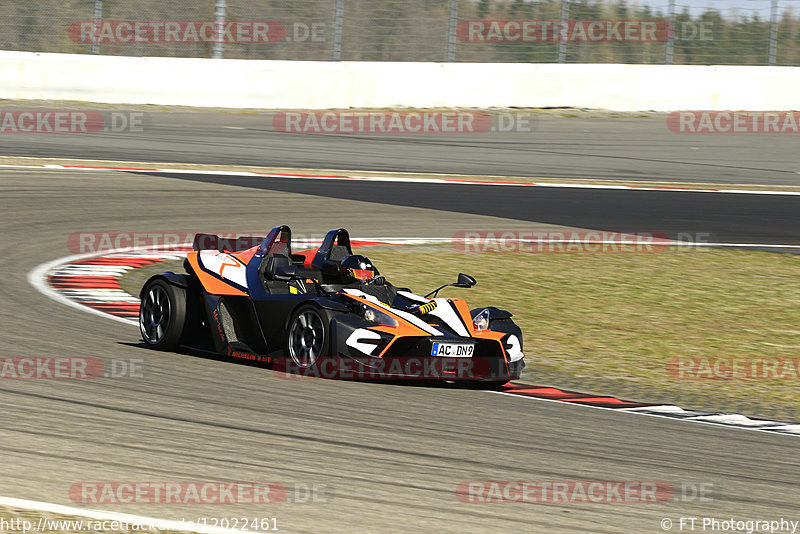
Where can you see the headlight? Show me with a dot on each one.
(481, 321)
(375, 315)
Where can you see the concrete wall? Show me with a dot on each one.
(319, 85)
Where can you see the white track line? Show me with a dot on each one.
(101, 515)
(446, 181)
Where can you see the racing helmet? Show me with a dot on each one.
(356, 267)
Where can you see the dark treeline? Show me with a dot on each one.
(710, 37)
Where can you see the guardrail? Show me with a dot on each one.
(233, 83)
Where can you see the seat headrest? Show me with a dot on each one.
(274, 261)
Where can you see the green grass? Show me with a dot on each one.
(609, 323)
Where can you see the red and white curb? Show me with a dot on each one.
(451, 181)
(729, 420)
(90, 282)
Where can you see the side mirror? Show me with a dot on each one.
(285, 273)
(465, 280)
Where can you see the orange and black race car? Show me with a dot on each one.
(323, 313)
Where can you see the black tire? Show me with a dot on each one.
(162, 315)
(308, 335)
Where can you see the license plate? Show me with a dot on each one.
(452, 350)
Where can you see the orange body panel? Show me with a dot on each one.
(245, 255)
(463, 310)
(308, 255)
(213, 285)
(403, 328)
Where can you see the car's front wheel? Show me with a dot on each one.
(308, 335)
(162, 315)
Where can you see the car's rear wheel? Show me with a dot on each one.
(162, 315)
(308, 336)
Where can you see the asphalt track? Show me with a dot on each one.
(392, 456)
(717, 218)
(623, 148)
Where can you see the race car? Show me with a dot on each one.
(324, 313)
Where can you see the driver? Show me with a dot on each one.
(358, 270)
